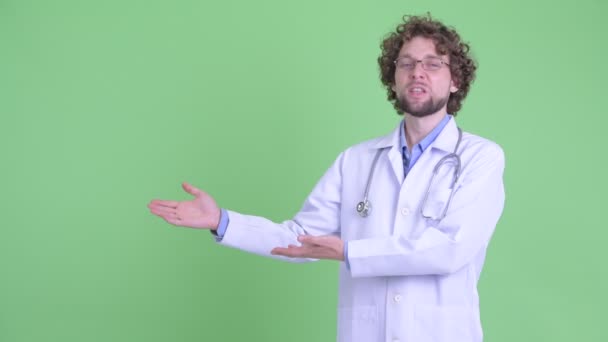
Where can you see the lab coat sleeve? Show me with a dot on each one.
(446, 246)
(319, 215)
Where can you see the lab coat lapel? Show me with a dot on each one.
(446, 140)
(396, 160)
(394, 155)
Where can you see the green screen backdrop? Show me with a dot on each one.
(105, 105)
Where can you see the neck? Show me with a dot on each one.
(417, 128)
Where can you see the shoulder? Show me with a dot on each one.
(481, 155)
(371, 146)
(364, 152)
(367, 145)
(361, 155)
(477, 145)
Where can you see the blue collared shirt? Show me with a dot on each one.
(411, 157)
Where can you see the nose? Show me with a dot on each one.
(418, 71)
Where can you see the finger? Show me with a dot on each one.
(305, 238)
(278, 251)
(191, 190)
(161, 203)
(324, 240)
(173, 220)
(288, 252)
(311, 240)
(294, 251)
(162, 211)
(168, 215)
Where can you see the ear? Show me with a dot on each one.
(393, 87)
(453, 87)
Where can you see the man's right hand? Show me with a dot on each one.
(201, 212)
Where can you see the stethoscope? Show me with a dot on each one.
(364, 207)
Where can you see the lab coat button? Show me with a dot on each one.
(405, 211)
(397, 298)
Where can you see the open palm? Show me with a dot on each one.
(200, 212)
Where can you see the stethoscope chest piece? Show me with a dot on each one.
(363, 208)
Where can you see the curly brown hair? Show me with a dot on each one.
(447, 42)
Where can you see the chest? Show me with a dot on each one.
(395, 201)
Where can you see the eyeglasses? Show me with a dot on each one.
(428, 63)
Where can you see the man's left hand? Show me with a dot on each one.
(316, 247)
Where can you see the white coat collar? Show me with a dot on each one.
(445, 141)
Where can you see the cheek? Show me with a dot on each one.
(399, 83)
(443, 87)
(394, 87)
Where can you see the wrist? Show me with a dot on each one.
(223, 220)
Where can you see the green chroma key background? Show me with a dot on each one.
(107, 105)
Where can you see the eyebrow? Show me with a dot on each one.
(425, 56)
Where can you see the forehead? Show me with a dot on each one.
(419, 47)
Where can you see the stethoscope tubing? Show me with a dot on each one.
(364, 207)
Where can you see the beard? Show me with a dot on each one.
(426, 108)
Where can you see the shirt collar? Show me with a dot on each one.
(444, 140)
(428, 140)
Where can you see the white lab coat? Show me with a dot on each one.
(411, 279)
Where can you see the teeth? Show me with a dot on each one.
(417, 90)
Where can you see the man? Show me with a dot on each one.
(409, 215)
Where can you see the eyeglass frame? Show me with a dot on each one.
(421, 61)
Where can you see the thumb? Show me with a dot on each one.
(191, 190)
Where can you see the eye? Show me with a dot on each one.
(405, 63)
(432, 63)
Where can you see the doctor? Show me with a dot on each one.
(409, 215)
